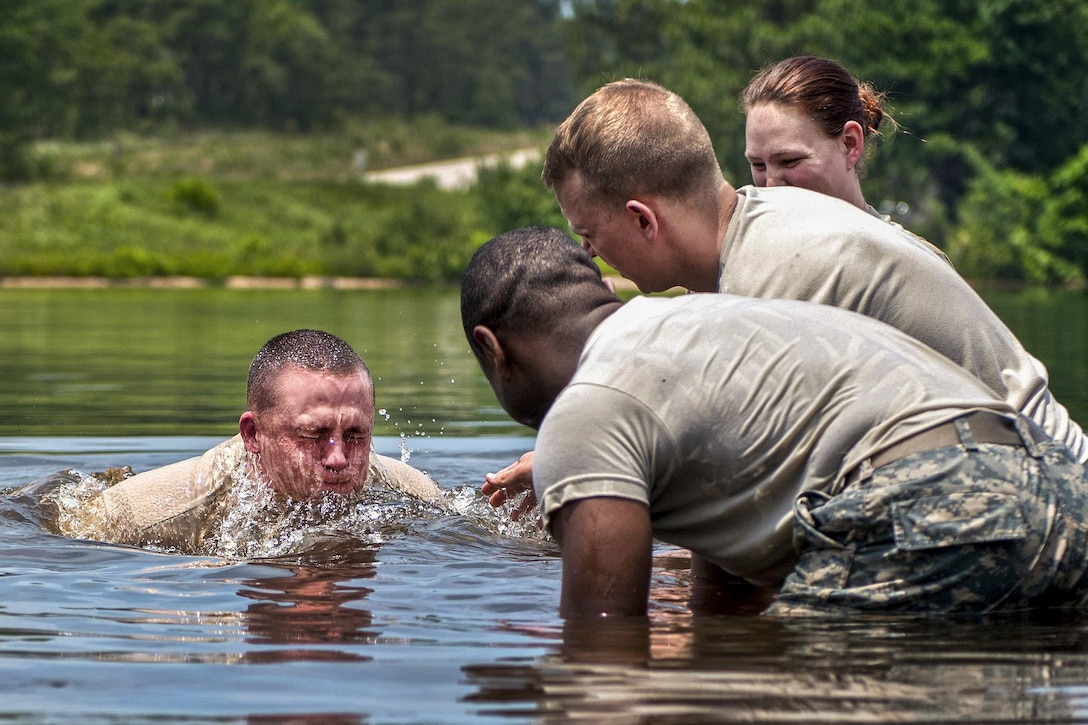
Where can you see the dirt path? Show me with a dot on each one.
(453, 173)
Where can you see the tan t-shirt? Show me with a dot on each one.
(176, 505)
(717, 410)
(789, 243)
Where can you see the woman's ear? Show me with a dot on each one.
(247, 426)
(853, 141)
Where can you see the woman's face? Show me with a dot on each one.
(785, 147)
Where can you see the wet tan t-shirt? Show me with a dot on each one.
(716, 411)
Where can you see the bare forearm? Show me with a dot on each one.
(607, 550)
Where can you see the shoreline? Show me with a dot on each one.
(318, 282)
(232, 282)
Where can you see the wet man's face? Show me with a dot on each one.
(317, 438)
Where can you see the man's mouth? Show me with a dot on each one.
(337, 482)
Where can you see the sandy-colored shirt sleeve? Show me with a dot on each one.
(168, 506)
(399, 476)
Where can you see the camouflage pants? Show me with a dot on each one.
(971, 528)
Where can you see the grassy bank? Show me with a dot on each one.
(213, 205)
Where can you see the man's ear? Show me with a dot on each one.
(644, 213)
(853, 140)
(492, 350)
(247, 426)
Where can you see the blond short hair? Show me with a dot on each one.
(634, 137)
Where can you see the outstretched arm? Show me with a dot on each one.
(607, 547)
(511, 482)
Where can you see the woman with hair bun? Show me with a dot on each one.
(807, 123)
(808, 119)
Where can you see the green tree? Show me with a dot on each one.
(1063, 224)
(1035, 80)
(251, 61)
(485, 62)
(999, 235)
(125, 76)
(353, 82)
(37, 74)
(283, 75)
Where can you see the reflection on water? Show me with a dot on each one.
(400, 614)
(746, 669)
(311, 606)
(1053, 326)
(451, 618)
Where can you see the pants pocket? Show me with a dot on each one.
(956, 519)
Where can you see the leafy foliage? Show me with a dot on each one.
(990, 96)
(1063, 223)
(996, 238)
(509, 198)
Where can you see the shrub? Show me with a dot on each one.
(509, 198)
(1064, 219)
(195, 195)
(131, 261)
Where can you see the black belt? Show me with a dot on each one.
(985, 427)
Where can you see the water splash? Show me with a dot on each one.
(471, 504)
(256, 523)
(66, 494)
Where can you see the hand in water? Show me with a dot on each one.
(511, 482)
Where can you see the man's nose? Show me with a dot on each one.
(335, 458)
(589, 248)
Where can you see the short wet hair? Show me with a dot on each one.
(634, 137)
(823, 90)
(530, 278)
(311, 350)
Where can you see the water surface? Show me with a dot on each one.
(429, 617)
